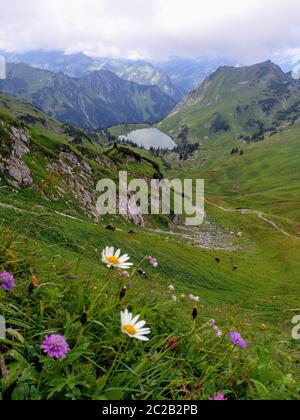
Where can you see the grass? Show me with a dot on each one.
(104, 364)
(11, 108)
(264, 178)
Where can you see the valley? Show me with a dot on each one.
(243, 262)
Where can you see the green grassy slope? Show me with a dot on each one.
(249, 101)
(11, 107)
(54, 145)
(259, 300)
(265, 177)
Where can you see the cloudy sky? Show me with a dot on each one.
(244, 30)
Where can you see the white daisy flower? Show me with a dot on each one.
(133, 327)
(114, 259)
(172, 288)
(174, 298)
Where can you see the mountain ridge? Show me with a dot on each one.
(251, 101)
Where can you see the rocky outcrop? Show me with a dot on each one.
(106, 163)
(129, 210)
(13, 165)
(132, 158)
(134, 215)
(76, 178)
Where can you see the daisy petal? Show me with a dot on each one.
(141, 338)
(128, 317)
(139, 325)
(135, 320)
(144, 331)
(126, 265)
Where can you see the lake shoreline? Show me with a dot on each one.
(149, 138)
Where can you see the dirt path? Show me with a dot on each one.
(9, 207)
(67, 216)
(259, 214)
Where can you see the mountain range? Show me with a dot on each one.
(251, 101)
(80, 65)
(175, 77)
(98, 100)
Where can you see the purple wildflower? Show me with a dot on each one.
(218, 397)
(7, 281)
(237, 340)
(55, 346)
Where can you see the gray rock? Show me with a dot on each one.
(14, 165)
(76, 179)
(20, 142)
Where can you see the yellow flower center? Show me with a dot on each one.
(113, 260)
(130, 329)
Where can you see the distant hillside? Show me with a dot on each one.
(100, 99)
(250, 102)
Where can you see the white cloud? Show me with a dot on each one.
(246, 30)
